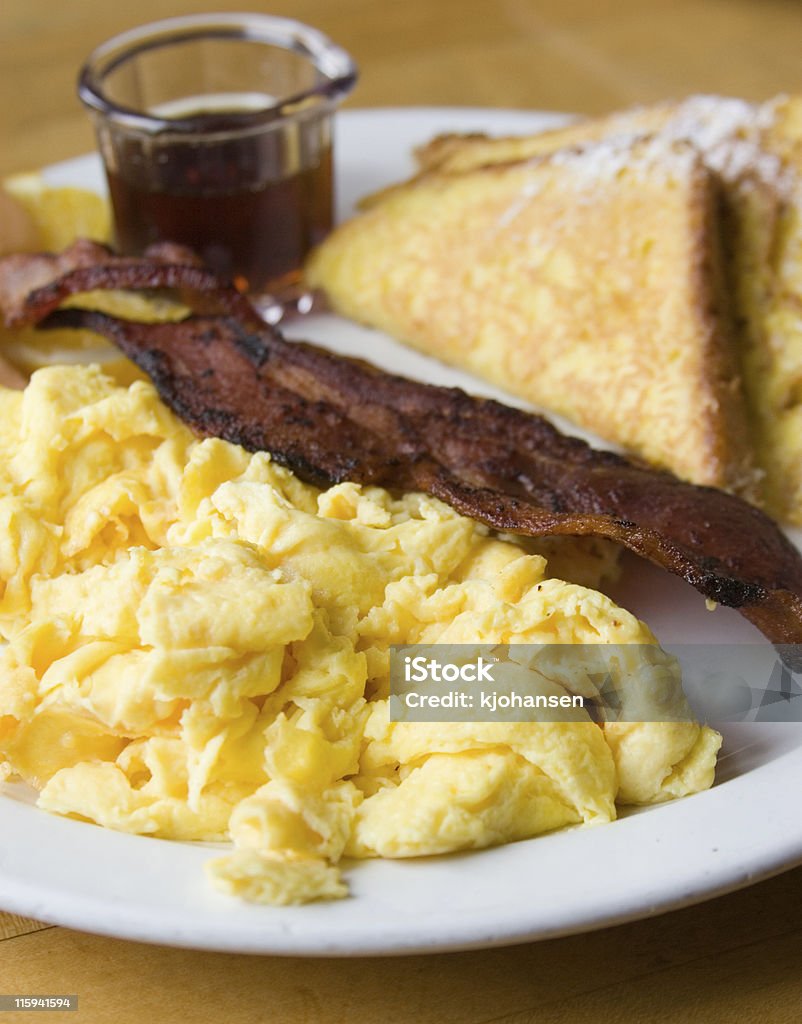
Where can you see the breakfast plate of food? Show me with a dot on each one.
(214, 534)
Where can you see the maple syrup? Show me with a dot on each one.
(215, 131)
(226, 195)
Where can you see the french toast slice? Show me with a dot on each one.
(756, 149)
(455, 152)
(589, 281)
(772, 308)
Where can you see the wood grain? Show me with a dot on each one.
(12, 925)
(576, 55)
(729, 961)
(732, 960)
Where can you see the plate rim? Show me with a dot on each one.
(780, 851)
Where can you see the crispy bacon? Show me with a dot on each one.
(331, 419)
(35, 284)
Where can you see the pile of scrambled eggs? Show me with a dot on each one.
(198, 649)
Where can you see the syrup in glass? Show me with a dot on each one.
(252, 205)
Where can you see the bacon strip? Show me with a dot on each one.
(35, 284)
(331, 419)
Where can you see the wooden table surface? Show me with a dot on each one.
(733, 959)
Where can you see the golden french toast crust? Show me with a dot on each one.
(545, 289)
(755, 150)
(722, 371)
(758, 151)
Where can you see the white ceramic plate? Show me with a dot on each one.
(747, 827)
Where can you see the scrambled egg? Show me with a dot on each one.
(198, 649)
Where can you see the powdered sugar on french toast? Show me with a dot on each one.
(600, 162)
(729, 134)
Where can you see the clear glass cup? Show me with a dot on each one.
(216, 132)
